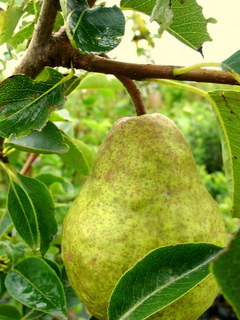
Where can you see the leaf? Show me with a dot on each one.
(79, 156)
(8, 21)
(93, 30)
(226, 105)
(100, 81)
(226, 270)
(12, 251)
(8, 312)
(189, 25)
(26, 104)
(31, 208)
(232, 64)
(162, 13)
(5, 223)
(35, 284)
(48, 140)
(23, 34)
(160, 278)
(48, 179)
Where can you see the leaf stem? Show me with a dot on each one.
(134, 93)
(179, 71)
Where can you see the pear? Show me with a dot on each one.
(144, 192)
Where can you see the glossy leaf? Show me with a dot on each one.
(160, 278)
(79, 156)
(189, 25)
(27, 104)
(226, 270)
(35, 284)
(48, 140)
(93, 30)
(226, 105)
(232, 64)
(33, 218)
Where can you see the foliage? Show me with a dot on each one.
(48, 145)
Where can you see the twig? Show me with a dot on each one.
(27, 166)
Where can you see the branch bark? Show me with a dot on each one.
(33, 62)
(59, 57)
(59, 53)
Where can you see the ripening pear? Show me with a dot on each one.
(144, 192)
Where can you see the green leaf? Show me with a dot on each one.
(48, 140)
(100, 81)
(5, 223)
(8, 312)
(160, 278)
(163, 14)
(48, 179)
(31, 208)
(226, 105)
(12, 251)
(226, 270)
(189, 25)
(8, 21)
(35, 284)
(232, 64)
(93, 30)
(79, 156)
(26, 104)
(23, 34)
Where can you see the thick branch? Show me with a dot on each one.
(33, 61)
(60, 53)
(59, 57)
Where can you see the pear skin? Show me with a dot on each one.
(144, 192)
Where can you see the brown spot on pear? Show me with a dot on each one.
(144, 192)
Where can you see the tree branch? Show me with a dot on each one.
(60, 53)
(59, 57)
(33, 62)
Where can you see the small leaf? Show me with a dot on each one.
(226, 105)
(48, 140)
(34, 283)
(31, 208)
(160, 278)
(48, 179)
(79, 156)
(27, 104)
(226, 270)
(232, 64)
(100, 81)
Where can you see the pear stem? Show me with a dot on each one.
(134, 93)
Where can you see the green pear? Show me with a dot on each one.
(144, 192)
